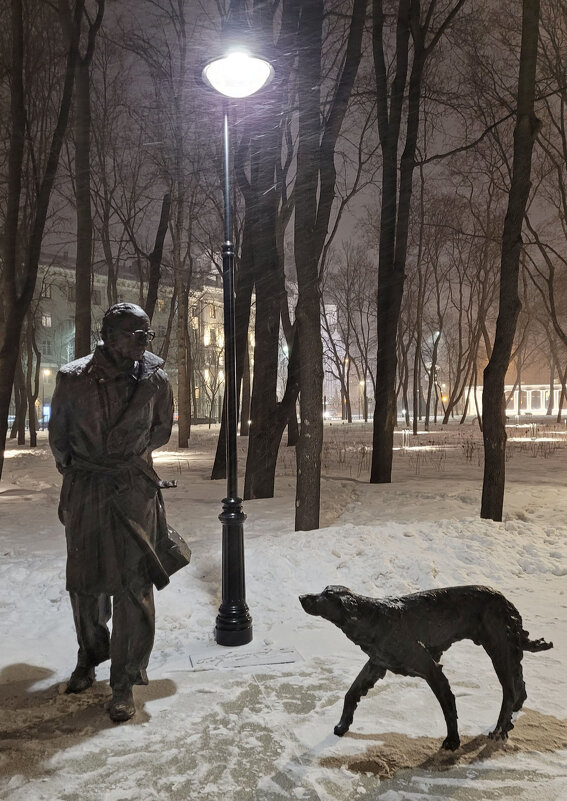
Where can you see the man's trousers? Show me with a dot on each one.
(133, 627)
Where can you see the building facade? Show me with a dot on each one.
(53, 318)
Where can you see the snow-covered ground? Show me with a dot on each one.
(257, 722)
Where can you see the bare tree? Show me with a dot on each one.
(348, 318)
(314, 195)
(82, 129)
(181, 147)
(526, 128)
(265, 154)
(22, 248)
(546, 263)
(417, 33)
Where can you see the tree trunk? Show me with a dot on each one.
(315, 192)
(156, 256)
(245, 403)
(20, 400)
(549, 409)
(396, 200)
(563, 393)
(13, 316)
(32, 384)
(183, 384)
(243, 301)
(83, 266)
(431, 384)
(17, 303)
(493, 410)
(390, 280)
(308, 450)
(261, 209)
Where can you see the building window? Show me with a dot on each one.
(46, 347)
(160, 305)
(194, 311)
(45, 292)
(523, 399)
(46, 320)
(213, 312)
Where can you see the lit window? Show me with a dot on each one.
(46, 320)
(213, 312)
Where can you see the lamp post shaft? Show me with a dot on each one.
(234, 623)
(226, 175)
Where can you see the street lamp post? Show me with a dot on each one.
(238, 73)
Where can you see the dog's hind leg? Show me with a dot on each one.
(419, 662)
(364, 682)
(442, 690)
(506, 657)
(519, 689)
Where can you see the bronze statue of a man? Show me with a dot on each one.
(110, 410)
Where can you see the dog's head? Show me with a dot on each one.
(335, 603)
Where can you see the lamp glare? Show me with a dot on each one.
(238, 74)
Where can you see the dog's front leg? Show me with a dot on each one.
(437, 680)
(365, 680)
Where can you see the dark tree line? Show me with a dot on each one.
(105, 118)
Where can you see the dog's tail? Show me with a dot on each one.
(534, 645)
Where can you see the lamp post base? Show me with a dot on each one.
(233, 623)
(232, 637)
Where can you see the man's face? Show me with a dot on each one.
(126, 338)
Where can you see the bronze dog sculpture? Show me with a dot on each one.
(407, 636)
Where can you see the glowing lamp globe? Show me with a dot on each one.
(238, 74)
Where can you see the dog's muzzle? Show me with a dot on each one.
(309, 603)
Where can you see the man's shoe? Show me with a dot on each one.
(122, 705)
(81, 679)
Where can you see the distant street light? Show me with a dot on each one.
(237, 73)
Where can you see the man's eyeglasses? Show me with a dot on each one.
(141, 334)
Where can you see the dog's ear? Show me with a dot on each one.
(341, 602)
(349, 604)
(344, 596)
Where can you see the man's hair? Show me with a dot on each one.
(113, 315)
